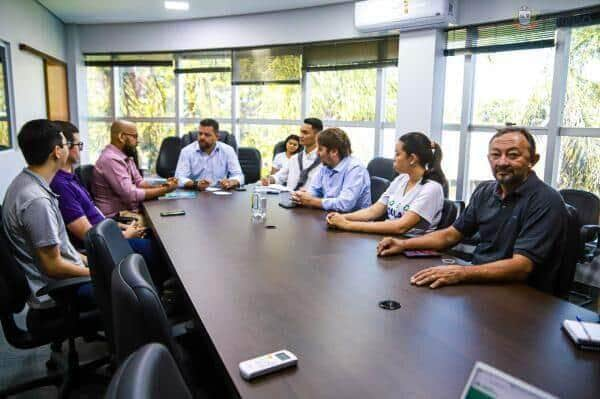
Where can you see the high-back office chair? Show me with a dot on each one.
(378, 187)
(106, 248)
(572, 252)
(224, 137)
(148, 373)
(382, 167)
(85, 174)
(48, 326)
(138, 315)
(250, 161)
(280, 147)
(168, 155)
(588, 210)
(449, 214)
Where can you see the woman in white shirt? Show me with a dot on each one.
(292, 146)
(414, 200)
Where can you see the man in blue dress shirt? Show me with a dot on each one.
(341, 184)
(208, 162)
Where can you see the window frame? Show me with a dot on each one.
(5, 59)
(553, 131)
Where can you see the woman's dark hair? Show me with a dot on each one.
(37, 140)
(429, 154)
(293, 137)
(335, 138)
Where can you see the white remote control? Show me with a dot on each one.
(267, 364)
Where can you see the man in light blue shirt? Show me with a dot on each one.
(208, 162)
(341, 184)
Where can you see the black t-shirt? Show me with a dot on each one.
(531, 221)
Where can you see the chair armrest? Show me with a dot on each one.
(62, 289)
(589, 232)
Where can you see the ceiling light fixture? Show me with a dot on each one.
(177, 5)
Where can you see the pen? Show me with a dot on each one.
(584, 329)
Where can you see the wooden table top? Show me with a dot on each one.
(316, 291)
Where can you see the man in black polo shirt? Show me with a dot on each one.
(521, 221)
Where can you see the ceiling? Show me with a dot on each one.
(107, 11)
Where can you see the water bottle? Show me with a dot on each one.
(259, 206)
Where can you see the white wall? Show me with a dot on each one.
(478, 11)
(294, 26)
(25, 21)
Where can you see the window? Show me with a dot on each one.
(361, 140)
(5, 126)
(146, 92)
(264, 138)
(453, 89)
(513, 86)
(450, 150)
(206, 95)
(276, 101)
(343, 95)
(254, 93)
(583, 80)
(391, 94)
(580, 163)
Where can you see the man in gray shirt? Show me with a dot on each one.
(31, 217)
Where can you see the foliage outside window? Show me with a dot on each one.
(580, 156)
(206, 95)
(343, 95)
(513, 86)
(5, 137)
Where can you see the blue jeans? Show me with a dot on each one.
(85, 297)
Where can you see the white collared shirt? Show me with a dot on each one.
(291, 174)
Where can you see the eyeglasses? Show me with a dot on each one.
(135, 136)
(72, 145)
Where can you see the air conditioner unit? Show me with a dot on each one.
(380, 15)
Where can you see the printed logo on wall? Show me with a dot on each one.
(524, 16)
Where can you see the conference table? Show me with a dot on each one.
(316, 292)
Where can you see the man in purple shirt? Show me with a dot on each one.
(117, 184)
(80, 213)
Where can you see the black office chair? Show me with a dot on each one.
(168, 155)
(48, 326)
(460, 207)
(106, 248)
(250, 161)
(382, 167)
(588, 210)
(279, 147)
(378, 187)
(449, 214)
(85, 174)
(224, 137)
(148, 373)
(138, 315)
(573, 248)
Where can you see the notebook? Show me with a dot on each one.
(588, 338)
(179, 194)
(486, 382)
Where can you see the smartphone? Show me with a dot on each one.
(176, 212)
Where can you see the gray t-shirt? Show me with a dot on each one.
(32, 220)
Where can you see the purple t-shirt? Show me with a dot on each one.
(74, 200)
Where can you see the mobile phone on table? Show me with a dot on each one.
(176, 212)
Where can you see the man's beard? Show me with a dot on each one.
(130, 151)
(510, 177)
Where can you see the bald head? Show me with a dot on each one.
(121, 126)
(124, 135)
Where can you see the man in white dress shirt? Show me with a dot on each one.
(302, 166)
